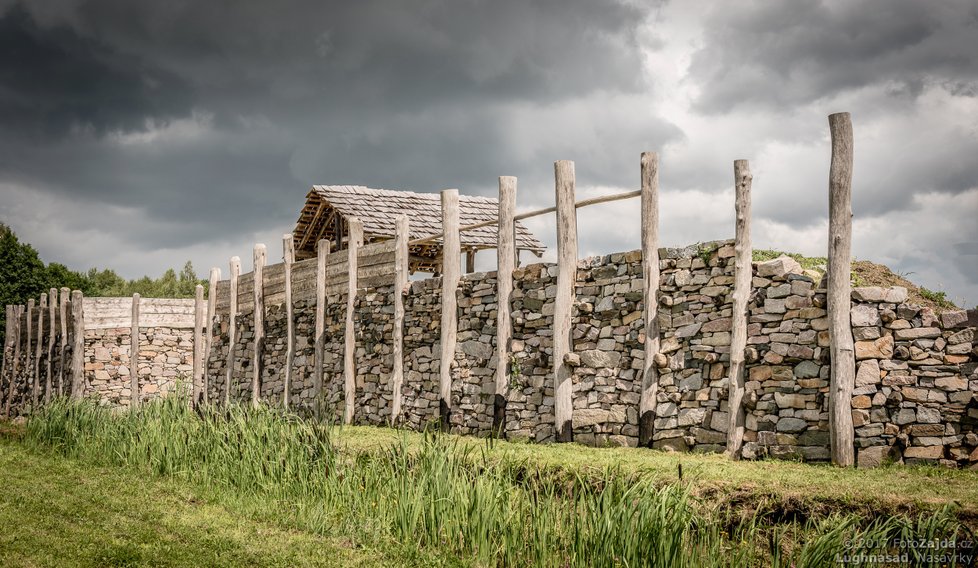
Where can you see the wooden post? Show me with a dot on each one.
(564, 301)
(259, 322)
(743, 273)
(235, 266)
(134, 354)
(322, 251)
(11, 340)
(450, 275)
(470, 261)
(215, 277)
(198, 367)
(402, 234)
(843, 363)
(650, 294)
(7, 335)
(62, 363)
(52, 339)
(288, 256)
(353, 244)
(77, 346)
(31, 362)
(506, 262)
(15, 367)
(39, 353)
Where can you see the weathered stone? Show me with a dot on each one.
(917, 333)
(778, 267)
(892, 295)
(924, 452)
(863, 315)
(881, 348)
(874, 456)
(597, 359)
(952, 319)
(806, 370)
(868, 373)
(789, 424)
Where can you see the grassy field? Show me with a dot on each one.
(58, 512)
(245, 486)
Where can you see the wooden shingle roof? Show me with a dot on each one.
(328, 206)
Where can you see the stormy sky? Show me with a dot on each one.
(139, 135)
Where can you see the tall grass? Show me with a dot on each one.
(439, 498)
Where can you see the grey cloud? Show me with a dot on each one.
(782, 54)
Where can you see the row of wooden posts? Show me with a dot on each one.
(843, 364)
(842, 356)
(47, 380)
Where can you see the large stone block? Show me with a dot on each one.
(881, 348)
(892, 295)
(778, 267)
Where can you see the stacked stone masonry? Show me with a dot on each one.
(915, 397)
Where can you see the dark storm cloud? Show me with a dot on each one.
(415, 95)
(782, 54)
(54, 80)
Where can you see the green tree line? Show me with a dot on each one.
(23, 275)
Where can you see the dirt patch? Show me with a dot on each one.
(866, 273)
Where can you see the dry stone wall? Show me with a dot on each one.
(915, 396)
(165, 359)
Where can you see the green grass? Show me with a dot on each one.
(58, 512)
(803, 488)
(439, 500)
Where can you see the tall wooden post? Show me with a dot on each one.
(743, 273)
(288, 256)
(31, 362)
(4, 365)
(470, 261)
(134, 394)
(215, 277)
(353, 244)
(450, 275)
(198, 366)
(77, 346)
(18, 311)
(36, 391)
(235, 266)
(259, 322)
(506, 262)
(564, 301)
(648, 399)
(52, 340)
(843, 364)
(62, 358)
(402, 234)
(322, 251)
(7, 378)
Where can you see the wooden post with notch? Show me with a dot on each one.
(215, 277)
(134, 353)
(62, 358)
(450, 276)
(77, 345)
(39, 354)
(564, 300)
(259, 322)
(648, 399)
(52, 340)
(353, 244)
(322, 251)
(235, 266)
(288, 257)
(843, 363)
(198, 367)
(506, 262)
(743, 274)
(402, 234)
